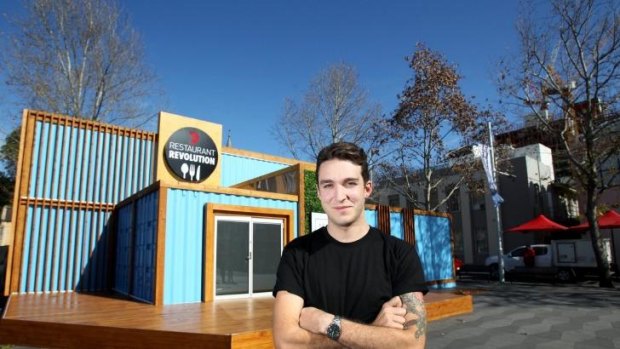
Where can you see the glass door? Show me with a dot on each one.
(232, 243)
(247, 253)
(267, 249)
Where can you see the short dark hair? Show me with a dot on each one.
(344, 151)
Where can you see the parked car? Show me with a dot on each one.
(564, 259)
(458, 264)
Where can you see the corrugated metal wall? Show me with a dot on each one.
(371, 217)
(237, 168)
(73, 172)
(433, 240)
(64, 249)
(91, 165)
(145, 243)
(433, 243)
(396, 225)
(136, 243)
(185, 225)
(124, 232)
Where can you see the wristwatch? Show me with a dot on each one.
(333, 330)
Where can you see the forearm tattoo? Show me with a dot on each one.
(416, 307)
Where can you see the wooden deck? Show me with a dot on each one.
(74, 320)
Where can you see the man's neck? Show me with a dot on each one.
(348, 233)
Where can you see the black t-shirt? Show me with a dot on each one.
(352, 280)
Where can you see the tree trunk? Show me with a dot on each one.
(600, 253)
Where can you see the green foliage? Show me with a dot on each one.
(6, 189)
(9, 152)
(8, 157)
(311, 202)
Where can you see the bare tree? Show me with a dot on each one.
(80, 58)
(568, 76)
(432, 120)
(334, 108)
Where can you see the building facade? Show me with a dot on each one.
(527, 192)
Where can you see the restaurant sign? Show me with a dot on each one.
(191, 154)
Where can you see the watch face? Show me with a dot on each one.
(333, 331)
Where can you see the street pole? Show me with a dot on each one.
(500, 249)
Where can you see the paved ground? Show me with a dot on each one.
(534, 315)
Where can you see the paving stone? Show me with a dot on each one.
(595, 344)
(554, 345)
(533, 315)
(503, 340)
(577, 336)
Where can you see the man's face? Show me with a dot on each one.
(342, 192)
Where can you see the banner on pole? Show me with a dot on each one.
(483, 152)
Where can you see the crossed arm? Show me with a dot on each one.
(401, 323)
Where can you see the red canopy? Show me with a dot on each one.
(540, 223)
(610, 220)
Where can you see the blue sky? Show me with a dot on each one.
(234, 62)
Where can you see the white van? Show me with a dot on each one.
(566, 259)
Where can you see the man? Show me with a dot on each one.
(347, 284)
(529, 256)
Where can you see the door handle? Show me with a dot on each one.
(249, 256)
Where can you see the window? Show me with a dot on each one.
(518, 252)
(453, 202)
(477, 201)
(394, 200)
(434, 197)
(540, 251)
(282, 183)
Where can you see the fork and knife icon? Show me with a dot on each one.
(193, 171)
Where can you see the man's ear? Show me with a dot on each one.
(368, 189)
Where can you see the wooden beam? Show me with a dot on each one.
(208, 256)
(22, 183)
(261, 156)
(383, 219)
(160, 254)
(408, 216)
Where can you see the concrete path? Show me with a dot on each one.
(533, 315)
